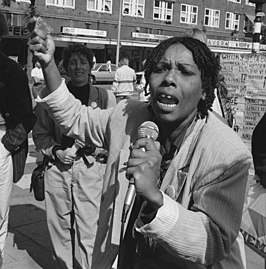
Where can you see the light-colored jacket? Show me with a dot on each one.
(201, 223)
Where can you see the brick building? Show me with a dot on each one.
(228, 25)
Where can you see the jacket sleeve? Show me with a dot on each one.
(111, 99)
(206, 231)
(20, 118)
(45, 134)
(81, 122)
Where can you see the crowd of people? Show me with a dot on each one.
(189, 184)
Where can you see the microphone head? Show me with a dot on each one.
(148, 129)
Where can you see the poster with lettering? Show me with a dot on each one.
(245, 76)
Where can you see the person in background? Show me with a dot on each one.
(74, 178)
(258, 149)
(37, 77)
(94, 61)
(224, 113)
(124, 80)
(108, 63)
(190, 184)
(143, 87)
(16, 121)
(198, 34)
(63, 72)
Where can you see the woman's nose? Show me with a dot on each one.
(78, 65)
(171, 76)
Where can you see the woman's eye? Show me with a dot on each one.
(184, 70)
(160, 69)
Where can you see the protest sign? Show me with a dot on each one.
(245, 76)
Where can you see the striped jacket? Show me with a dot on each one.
(198, 226)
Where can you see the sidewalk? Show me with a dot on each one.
(28, 242)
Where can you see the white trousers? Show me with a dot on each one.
(6, 176)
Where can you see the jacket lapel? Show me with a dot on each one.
(177, 175)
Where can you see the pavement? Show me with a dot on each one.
(28, 243)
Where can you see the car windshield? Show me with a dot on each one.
(96, 67)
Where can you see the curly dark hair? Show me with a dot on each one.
(203, 57)
(79, 49)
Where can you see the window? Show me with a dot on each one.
(248, 26)
(100, 5)
(188, 14)
(14, 19)
(212, 17)
(61, 3)
(232, 21)
(163, 11)
(103, 68)
(235, 1)
(133, 8)
(249, 3)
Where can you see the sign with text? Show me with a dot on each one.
(233, 44)
(245, 76)
(149, 36)
(83, 32)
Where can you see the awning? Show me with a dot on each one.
(224, 50)
(99, 43)
(252, 18)
(143, 44)
(93, 43)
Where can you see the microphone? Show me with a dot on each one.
(147, 129)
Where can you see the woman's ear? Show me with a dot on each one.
(203, 96)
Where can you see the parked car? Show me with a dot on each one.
(101, 73)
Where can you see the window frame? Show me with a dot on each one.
(232, 21)
(212, 17)
(58, 4)
(133, 7)
(188, 14)
(27, 1)
(99, 8)
(235, 1)
(163, 11)
(250, 4)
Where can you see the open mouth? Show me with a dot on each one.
(167, 102)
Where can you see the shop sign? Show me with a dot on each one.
(233, 44)
(149, 36)
(83, 32)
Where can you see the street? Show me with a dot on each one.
(28, 243)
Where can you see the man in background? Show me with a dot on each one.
(37, 77)
(124, 81)
(16, 121)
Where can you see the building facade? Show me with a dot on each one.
(143, 24)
